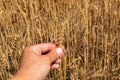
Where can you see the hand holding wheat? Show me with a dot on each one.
(37, 60)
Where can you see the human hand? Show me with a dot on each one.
(37, 60)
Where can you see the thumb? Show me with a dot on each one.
(55, 54)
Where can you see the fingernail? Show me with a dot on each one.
(59, 51)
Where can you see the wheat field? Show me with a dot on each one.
(89, 30)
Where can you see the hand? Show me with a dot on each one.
(37, 60)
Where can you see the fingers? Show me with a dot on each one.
(45, 47)
(58, 61)
(55, 54)
(55, 66)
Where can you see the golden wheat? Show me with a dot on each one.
(89, 30)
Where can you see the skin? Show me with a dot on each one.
(37, 60)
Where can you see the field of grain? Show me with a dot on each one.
(89, 30)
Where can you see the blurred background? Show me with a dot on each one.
(89, 30)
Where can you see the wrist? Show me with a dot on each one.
(16, 77)
(21, 76)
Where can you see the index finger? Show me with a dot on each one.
(46, 47)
